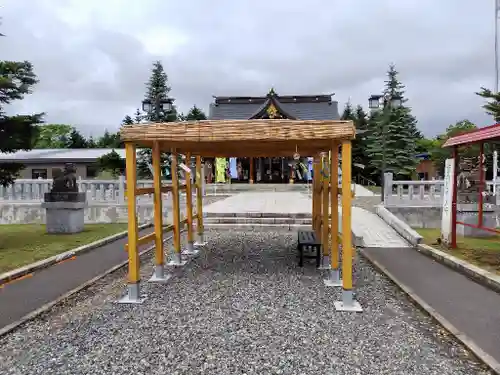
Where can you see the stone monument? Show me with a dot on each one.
(64, 205)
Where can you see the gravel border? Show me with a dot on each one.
(242, 307)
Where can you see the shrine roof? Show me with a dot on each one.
(487, 133)
(303, 107)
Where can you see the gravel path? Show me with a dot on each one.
(242, 307)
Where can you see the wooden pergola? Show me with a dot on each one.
(241, 138)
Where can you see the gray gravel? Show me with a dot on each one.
(242, 307)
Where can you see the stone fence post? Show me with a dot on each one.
(388, 177)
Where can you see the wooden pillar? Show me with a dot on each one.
(317, 196)
(189, 207)
(177, 256)
(159, 272)
(334, 198)
(133, 295)
(251, 173)
(199, 203)
(348, 303)
(325, 209)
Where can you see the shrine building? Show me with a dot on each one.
(272, 105)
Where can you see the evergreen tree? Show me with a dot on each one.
(348, 113)
(77, 140)
(157, 88)
(138, 116)
(492, 107)
(109, 140)
(399, 127)
(18, 131)
(195, 114)
(91, 143)
(127, 120)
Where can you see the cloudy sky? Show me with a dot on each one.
(94, 56)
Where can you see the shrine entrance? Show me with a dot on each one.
(261, 138)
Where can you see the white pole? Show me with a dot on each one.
(495, 171)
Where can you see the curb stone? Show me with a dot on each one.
(45, 263)
(484, 357)
(477, 274)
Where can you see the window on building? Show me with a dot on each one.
(92, 171)
(39, 173)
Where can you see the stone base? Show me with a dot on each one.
(64, 217)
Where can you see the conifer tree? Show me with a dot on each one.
(399, 127)
(492, 106)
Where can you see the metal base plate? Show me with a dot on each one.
(176, 263)
(156, 279)
(189, 252)
(127, 300)
(200, 244)
(325, 263)
(332, 282)
(354, 306)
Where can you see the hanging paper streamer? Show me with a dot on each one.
(233, 169)
(220, 169)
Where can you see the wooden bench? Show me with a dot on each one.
(307, 241)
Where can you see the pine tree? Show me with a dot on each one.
(195, 113)
(399, 127)
(156, 88)
(77, 140)
(127, 120)
(492, 107)
(138, 116)
(19, 131)
(348, 113)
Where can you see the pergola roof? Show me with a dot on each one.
(488, 133)
(226, 138)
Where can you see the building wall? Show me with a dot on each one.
(81, 169)
(427, 167)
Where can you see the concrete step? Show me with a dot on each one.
(256, 220)
(258, 215)
(258, 227)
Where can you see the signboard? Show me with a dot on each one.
(449, 170)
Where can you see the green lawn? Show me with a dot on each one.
(483, 252)
(21, 244)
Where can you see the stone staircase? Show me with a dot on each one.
(257, 221)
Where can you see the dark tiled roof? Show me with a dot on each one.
(303, 107)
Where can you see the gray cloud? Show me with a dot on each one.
(93, 58)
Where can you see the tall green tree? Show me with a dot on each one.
(492, 106)
(77, 140)
(18, 131)
(157, 88)
(399, 127)
(138, 116)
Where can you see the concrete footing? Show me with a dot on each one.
(133, 295)
(333, 278)
(348, 303)
(159, 275)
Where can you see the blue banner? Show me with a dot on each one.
(233, 170)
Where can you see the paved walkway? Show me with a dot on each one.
(374, 231)
(470, 307)
(22, 297)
